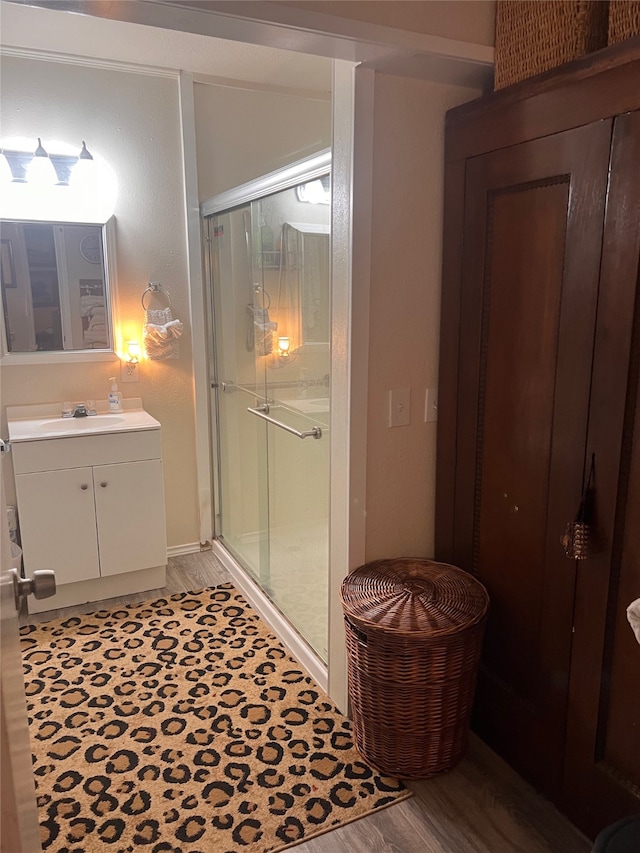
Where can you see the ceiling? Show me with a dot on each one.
(30, 28)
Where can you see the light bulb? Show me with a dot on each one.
(283, 345)
(40, 170)
(133, 352)
(313, 192)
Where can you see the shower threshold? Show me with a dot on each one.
(283, 628)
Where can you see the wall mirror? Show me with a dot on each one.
(55, 287)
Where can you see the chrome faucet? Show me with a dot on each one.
(80, 411)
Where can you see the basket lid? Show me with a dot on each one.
(406, 595)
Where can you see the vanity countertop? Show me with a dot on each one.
(34, 423)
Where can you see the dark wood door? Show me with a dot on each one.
(602, 781)
(533, 228)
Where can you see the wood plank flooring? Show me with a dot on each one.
(184, 574)
(482, 806)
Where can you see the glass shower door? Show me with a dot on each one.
(272, 315)
(242, 496)
(296, 279)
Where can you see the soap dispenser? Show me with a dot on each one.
(115, 397)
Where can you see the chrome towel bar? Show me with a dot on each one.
(262, 412)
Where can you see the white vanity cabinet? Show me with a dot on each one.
(130, 516)
(58, 523)
(91, 507)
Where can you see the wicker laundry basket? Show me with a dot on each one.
(533, 36)
(414, 633)
(624, 20)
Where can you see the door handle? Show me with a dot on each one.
(261, 412)
(577, 538)
(42, 584)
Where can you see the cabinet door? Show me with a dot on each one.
(533, 233)
(58, 523)
(130, 516)
(602, 779)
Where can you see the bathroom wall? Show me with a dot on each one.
(242, 133)
(408, 154)
(133, 121)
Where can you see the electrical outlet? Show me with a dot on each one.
(129, 372)
(400, 407)
(431, 405)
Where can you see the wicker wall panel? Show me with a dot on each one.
(533, 36)
(624, 20)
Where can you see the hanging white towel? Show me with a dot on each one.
(160, 334)
(633, 615)
(172, 329)
(89, 305)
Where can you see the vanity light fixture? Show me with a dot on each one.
(79, 186)
(41, 169)
(83, 169)
(317, 191)
(84, 154)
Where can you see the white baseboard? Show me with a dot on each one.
(188, 548)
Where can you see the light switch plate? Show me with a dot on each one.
(431, 405)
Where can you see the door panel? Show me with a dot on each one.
(297, 387)
(519, 385)
(242, 520)
(271, 297)
(19, 829)
(533, 232)
(48, 500)
(602, 781)
(130, 516)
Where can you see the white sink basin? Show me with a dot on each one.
(34, 423)
(92, 423)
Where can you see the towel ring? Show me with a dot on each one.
(263, 296)
(154, 287)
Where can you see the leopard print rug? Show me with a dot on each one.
(183, 726)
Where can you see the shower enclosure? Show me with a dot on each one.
(269, 262)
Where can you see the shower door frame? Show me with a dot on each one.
(352, 165)
(282, 179)
(288, 177)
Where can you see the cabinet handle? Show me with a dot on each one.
(104, 485)
(84, 487)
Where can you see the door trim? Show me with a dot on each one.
(197, 307)
(18, 811)
(349, 347)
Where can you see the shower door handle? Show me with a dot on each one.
(315, 431)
